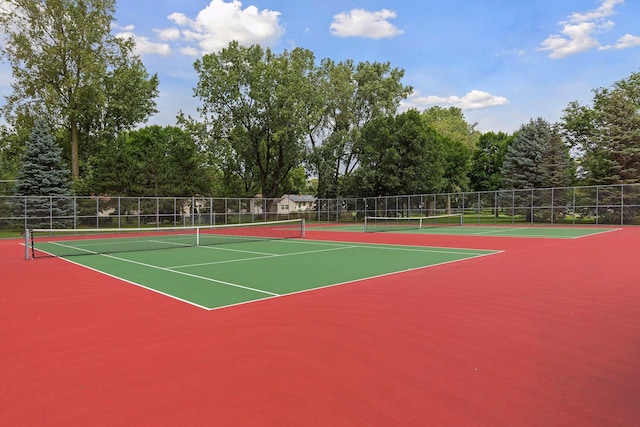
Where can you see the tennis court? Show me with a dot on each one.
(235, 265)
(426, 329)
(453, 225)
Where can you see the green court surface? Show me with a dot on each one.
(553, 232)
(228, 274)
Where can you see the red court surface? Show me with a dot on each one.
(546, 333)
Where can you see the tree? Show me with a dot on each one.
(44, 175)
(353, 95)
(11, 146)
(557, 168)
(460, 139)
(450, 122)
(401, 155)
(256, 107)
(537, 158)
(152, 161)
(67, 66)
(606, 136)
(456, 163)
(487, 159)
(522, 165)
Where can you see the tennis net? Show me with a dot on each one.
(375, 224)
(70, 242)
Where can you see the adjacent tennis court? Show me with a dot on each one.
(213, 267)
(452, 224)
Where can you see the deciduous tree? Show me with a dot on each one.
(67, 66)
(257, 107)
(401, 155)
(354, 95)
(487, 159)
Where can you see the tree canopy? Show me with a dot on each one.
(352, 95)
(606, 135)
(43, 173)
(537, 158)
(488, 157)
(42, 170)
(403, 155)
(254, 106)
(152, 161)
(67, 66)
(271, 123)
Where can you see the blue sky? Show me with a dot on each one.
(503, 62)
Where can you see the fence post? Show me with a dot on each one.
(552, 204)
(26, 243)
(574, 206)
(597, 205)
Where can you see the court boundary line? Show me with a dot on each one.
(404, 245)
(357, 280)
(208, 279)
(266, 256)
(130, 282)
(425, 231)
(597, 233)
(340, 245)
(600, 229)
(272, 295)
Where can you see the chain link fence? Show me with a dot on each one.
(597, 205)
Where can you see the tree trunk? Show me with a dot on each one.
(75, 167)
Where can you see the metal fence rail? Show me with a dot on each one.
(602, 205)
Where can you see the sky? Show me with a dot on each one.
(503, 62)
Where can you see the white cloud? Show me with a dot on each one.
(190, 51)
(576, 38)
(579, 32)
(627, 41)
(220, 23)
(144, 46)
(363, 23)
(124, 28)
(168, 34)
(605, 10)
(473, 100)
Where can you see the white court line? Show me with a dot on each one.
(271, 294)
(219, 248)
(429, 249)
(378, 247)
(502, 230)
(355, 280)
(261, 257)
(178, 272)
(550, 236)
(598, 232)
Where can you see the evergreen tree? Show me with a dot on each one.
(522, 167)
(557, 168)
(605, 136)
(43, 177)
(537, 158)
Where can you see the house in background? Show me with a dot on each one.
(292, 203)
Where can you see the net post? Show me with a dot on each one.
(365, 223)
(303, 228)
(26, 243)
(197, 236)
